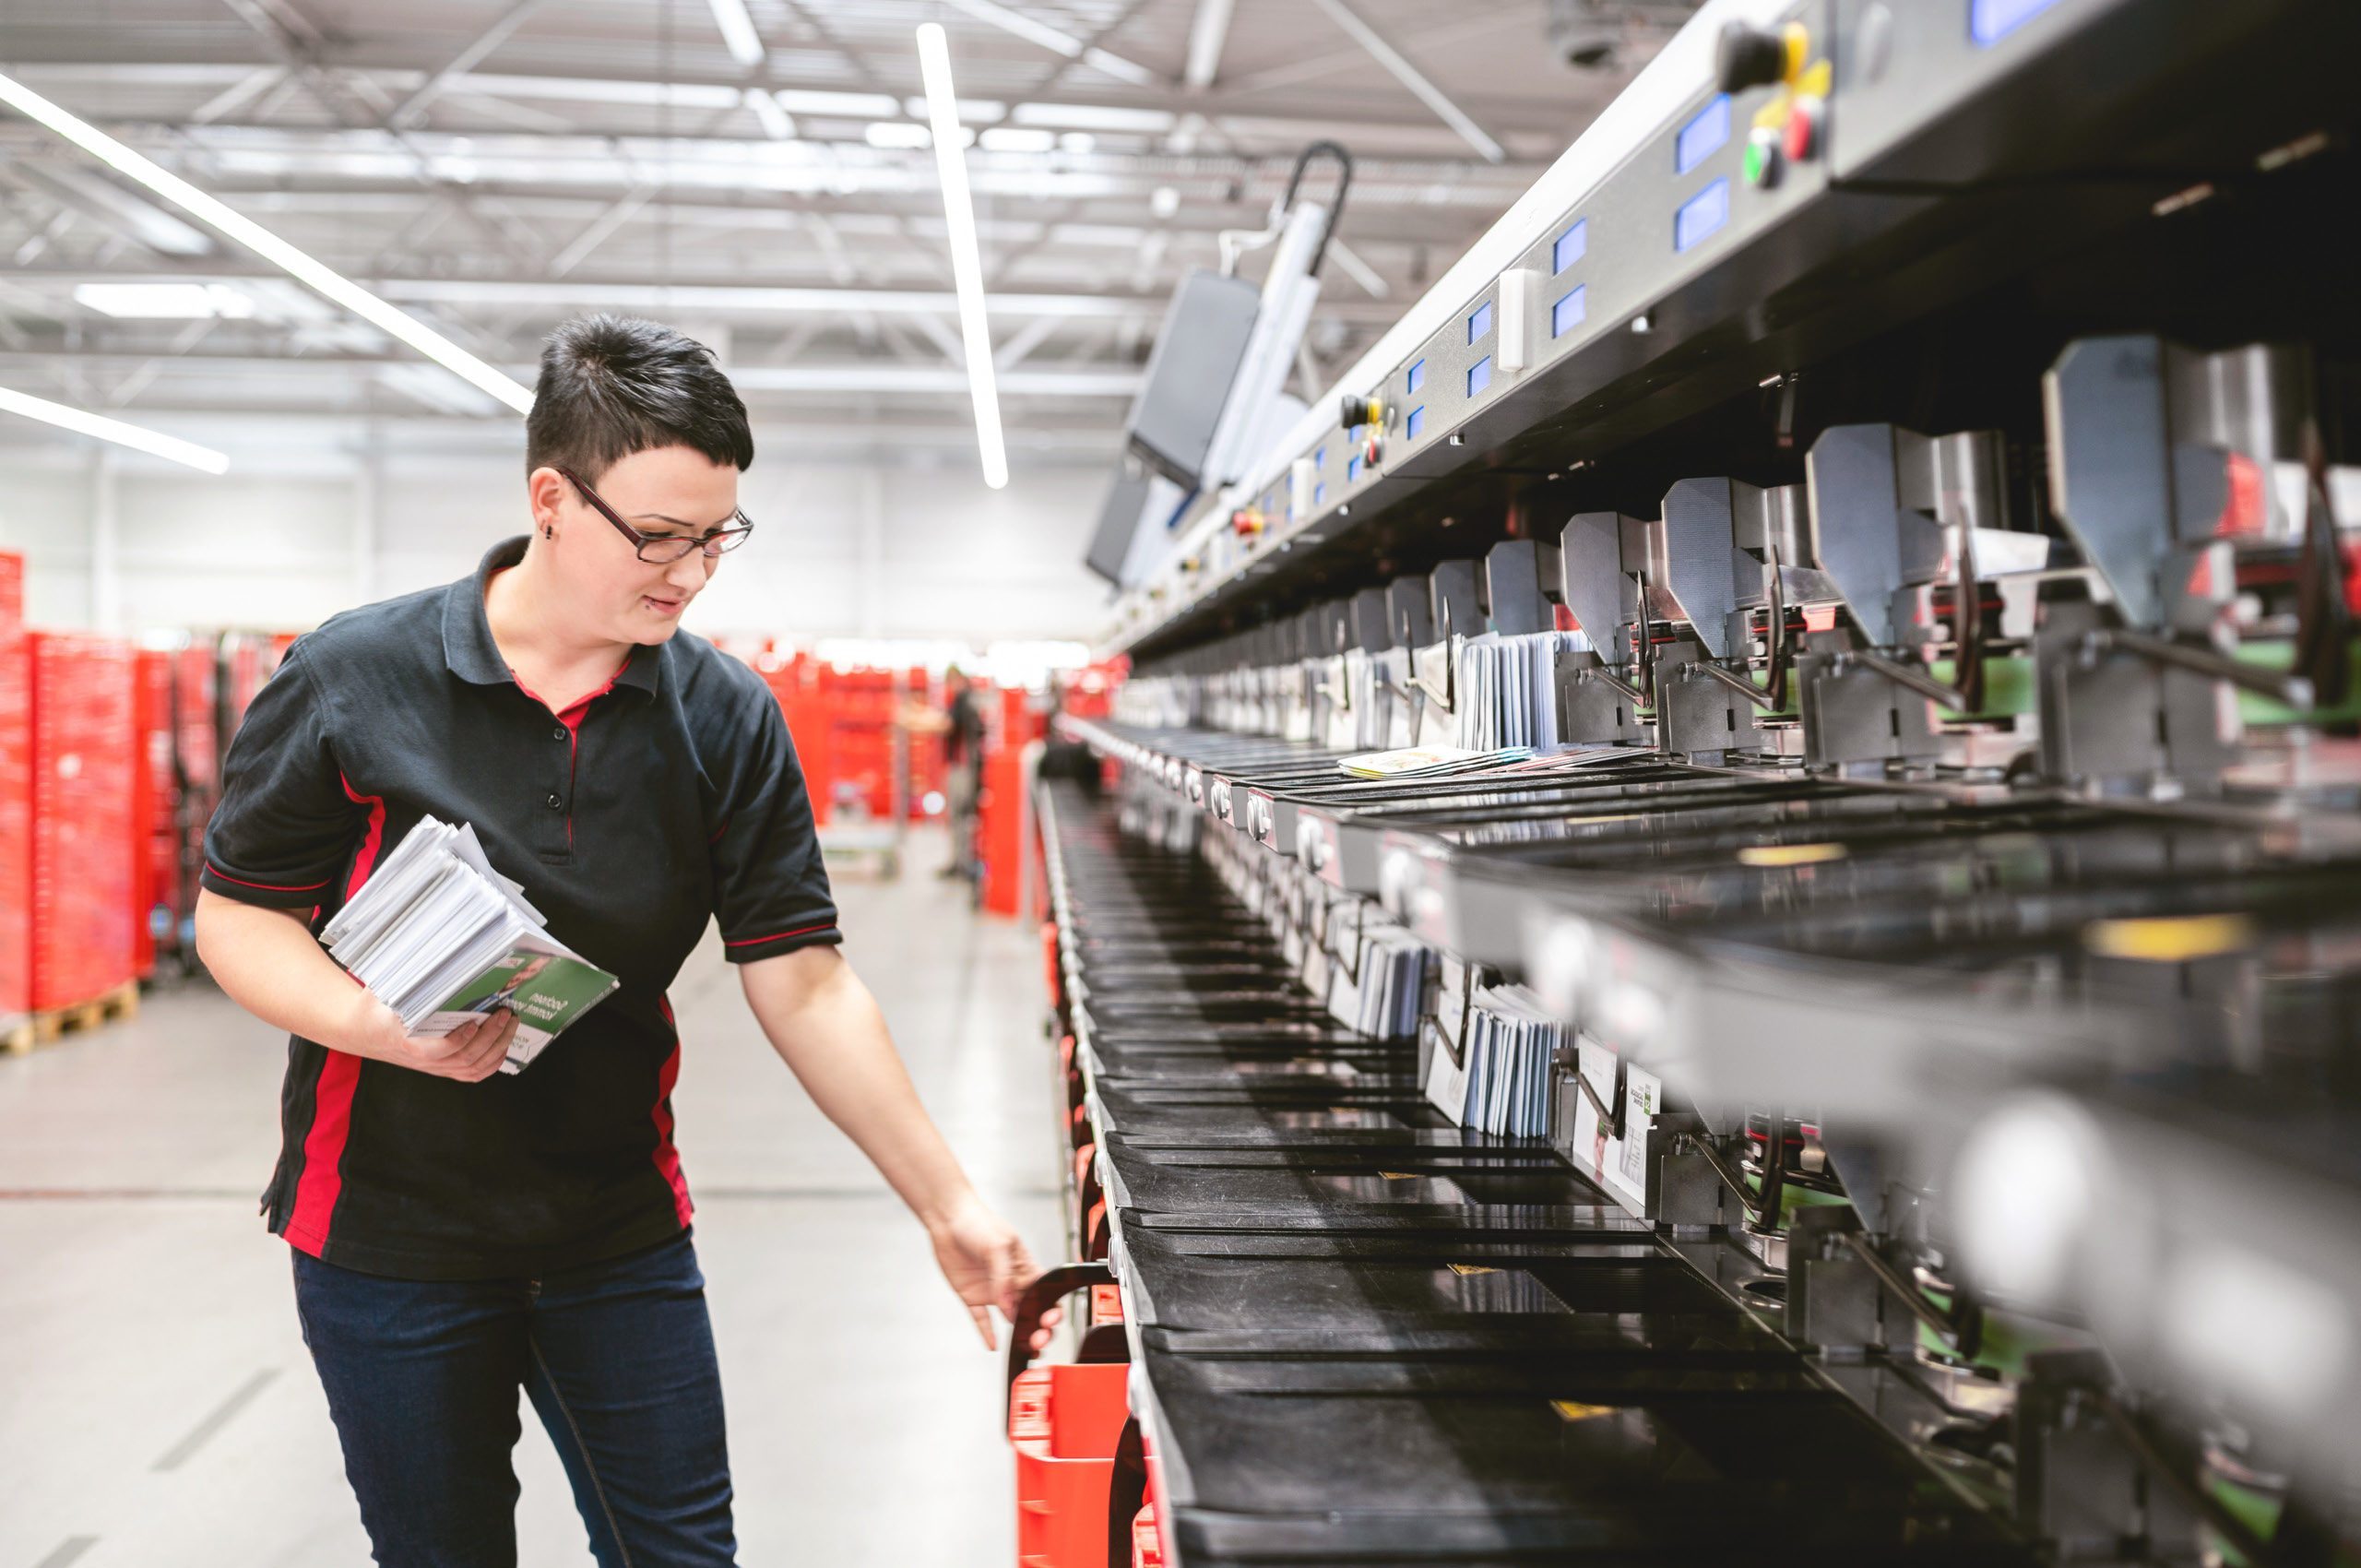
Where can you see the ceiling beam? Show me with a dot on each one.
(413, 108)
(1398, 65)
(1312, 67)
(1056, 40)
(808, 377)
(599, 230)
(756, 300)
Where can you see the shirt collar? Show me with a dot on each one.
(468, 645)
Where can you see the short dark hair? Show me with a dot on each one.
(612, 385)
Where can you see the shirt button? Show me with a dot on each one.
(555, 802)
(558, 734)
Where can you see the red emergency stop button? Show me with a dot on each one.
(1804, 116)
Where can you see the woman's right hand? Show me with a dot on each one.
(470, 1053)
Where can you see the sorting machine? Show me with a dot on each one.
(1919, 432)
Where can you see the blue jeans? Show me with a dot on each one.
(617, 1357)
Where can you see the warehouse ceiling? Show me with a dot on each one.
(755, 170)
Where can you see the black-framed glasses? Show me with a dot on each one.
(662, 550)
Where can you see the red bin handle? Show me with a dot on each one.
(1052, 1287)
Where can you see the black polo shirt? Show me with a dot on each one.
(668, 799)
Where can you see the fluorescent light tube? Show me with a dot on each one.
(165, 302)
(233, 225)
(738, 30)
(774, 121)
(85, 423)
(1018, 138)
(966, 261)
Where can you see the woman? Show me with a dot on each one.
(458, 1233)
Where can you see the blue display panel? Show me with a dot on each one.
(1417, 377)
(1417, 425)
(1567, 314)
(1320, 458)
(1352, 469)
(1479, 375)
(1704, 134)
(1570, 246)
(1320, 494)
(1989, 21)
(1481, 322)
(1701, 216)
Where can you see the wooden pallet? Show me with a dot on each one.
(45, 1028)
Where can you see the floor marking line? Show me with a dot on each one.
(223, 1413)
(69, 1550)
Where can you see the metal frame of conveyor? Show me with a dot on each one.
(1906, 462)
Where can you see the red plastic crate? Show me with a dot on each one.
(15, 798)
(155, 852)
(1064, 1422)
(1148, 1546)
(82, 812)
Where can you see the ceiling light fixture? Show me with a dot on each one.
(1018, 138)
(234, 225)
(165, 302)
(83, 423)
(966, 259)
(738, 30)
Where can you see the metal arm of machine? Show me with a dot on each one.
(1911, 679)
(1964, 1330)
(2294, 690)
(1735, 682)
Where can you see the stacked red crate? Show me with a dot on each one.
(862, 706)
(155, 849)
(196, 755)
(16, 795)
(795, 683)
(82, 766)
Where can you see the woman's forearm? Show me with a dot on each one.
(268, 963)
(827, 1028)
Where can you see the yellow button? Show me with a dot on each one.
(1798, 38)
(2170, 939)
(1789, 854)
(1814, 83)
(1575, 1411)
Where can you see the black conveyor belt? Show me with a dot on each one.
(1365, 1336)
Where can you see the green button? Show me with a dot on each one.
(1757, 162)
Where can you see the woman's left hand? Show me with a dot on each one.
(989, 1266)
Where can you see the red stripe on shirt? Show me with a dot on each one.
(668, 1157)
(779, 935)
(262, 886)
(322, 1179)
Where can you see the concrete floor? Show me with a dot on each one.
(157, 1406)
